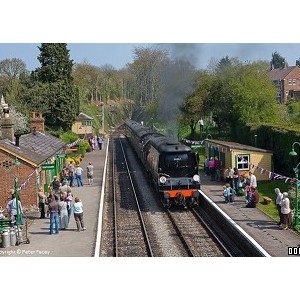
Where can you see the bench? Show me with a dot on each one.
(267, 200)
(4, 223)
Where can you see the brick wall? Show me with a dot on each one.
(28, 194)
(37, 122)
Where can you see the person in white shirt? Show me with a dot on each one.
(201, 124)
(253, 182)
(285, 211)
(78, 175)
(277, 201)
(78, 214)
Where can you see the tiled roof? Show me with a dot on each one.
(35, 148)
(83, 116)
(233, 145)
(277, 74)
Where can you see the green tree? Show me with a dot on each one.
(10, 72)
(194, 105)
(242, 93)
(62, 96)
(254, 96)
(277, 61)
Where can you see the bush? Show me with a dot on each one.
(69, 137)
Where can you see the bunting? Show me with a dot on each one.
(23, 185)
(275, 176)
(74, 143)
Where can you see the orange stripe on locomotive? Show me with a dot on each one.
(175, 193)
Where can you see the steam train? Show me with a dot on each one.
(172, 166)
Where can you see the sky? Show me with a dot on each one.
(120, 54)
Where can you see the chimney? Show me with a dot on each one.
(7, 126)
(37, 122)
(17, 136)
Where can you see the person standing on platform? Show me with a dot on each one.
(15, 211)
(78, 175)
(285, 211)
(78, 214)
(56, 185)
(253, 182)
(42, 201)
(54, 214)
(90, 173)
(218, 166)
(212, 170)
(100, 142)
(277, 201)
(236, 180)
(206, 171)
(63, 214)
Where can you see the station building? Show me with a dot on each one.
(245, 158)
(28, 161)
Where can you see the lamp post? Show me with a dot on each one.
(102, 114)
(296, 170)
(17, 163)
(255, 140)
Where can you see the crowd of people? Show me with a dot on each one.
(58, 203)
(96, 140)
(61, 203)
(236, 185)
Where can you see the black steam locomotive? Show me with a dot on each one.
(171, 165)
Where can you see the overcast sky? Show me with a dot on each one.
(119, 54)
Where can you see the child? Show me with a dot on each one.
(228, 193)
(248, 192)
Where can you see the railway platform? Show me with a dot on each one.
(69, 242)
(254, 222)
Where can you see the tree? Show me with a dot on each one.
(88, 80)
(194, 105)
(62, 96)
(242, 94)
(10, 72)
(277, 61)
(254, 96)
(146, 68)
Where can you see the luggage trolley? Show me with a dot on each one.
(22, 237)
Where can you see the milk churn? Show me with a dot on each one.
(19, 236)
(13, 238)
(5, 239)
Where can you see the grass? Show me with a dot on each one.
(264, 188)
(267, 189)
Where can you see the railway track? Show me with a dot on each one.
(125, 233)
(197, 238)
(130, 230)
(136, 224)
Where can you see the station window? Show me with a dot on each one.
(86, 123)
(242, 161)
